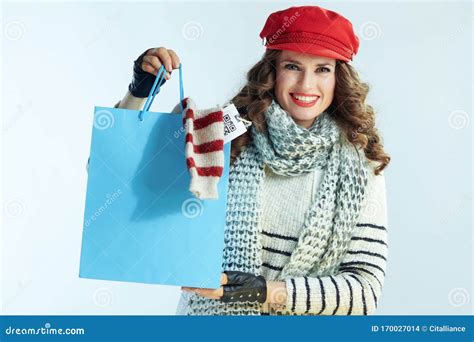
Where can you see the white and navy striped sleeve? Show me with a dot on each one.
(357, 287)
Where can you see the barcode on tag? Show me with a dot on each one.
(233, 127)
(229, 127)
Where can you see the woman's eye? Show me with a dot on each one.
(327, 69)
(295, 67)
(290, 67)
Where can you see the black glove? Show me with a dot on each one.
(243, 287)
(142, 81)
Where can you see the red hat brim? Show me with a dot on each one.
(311, 49)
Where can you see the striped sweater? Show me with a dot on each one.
(357, 286)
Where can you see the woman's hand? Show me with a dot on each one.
(146, 66)
(237, 287)
(209, 293)
(154, 58)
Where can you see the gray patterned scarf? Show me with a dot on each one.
(290, 150)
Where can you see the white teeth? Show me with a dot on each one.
(306, 98)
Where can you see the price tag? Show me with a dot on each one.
(233, 126)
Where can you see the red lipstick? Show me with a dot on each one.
(304, 103)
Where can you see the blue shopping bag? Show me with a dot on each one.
(141, 222)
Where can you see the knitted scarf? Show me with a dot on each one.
(291, 150)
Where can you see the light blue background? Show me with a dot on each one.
(59, 60)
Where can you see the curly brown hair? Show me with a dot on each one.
(348, 108)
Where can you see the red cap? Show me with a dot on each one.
(313, 30)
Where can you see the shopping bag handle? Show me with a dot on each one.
(156, 88)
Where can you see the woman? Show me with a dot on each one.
(306, 230)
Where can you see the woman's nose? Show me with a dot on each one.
(307, 81)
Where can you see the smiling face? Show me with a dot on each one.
(304, 85)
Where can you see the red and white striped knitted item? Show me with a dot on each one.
(204, 148)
